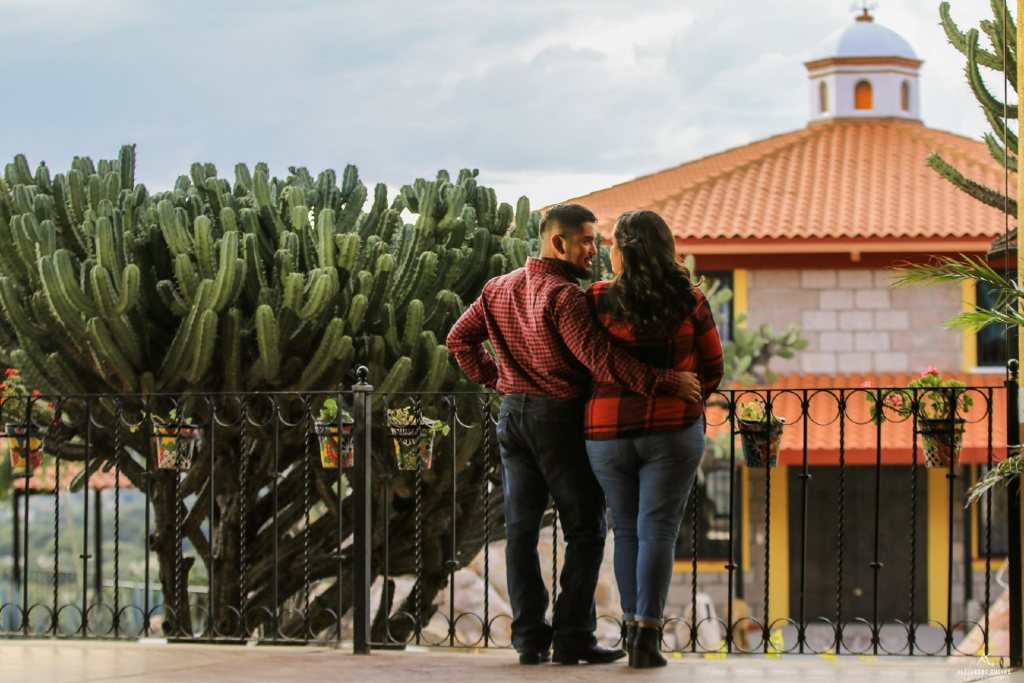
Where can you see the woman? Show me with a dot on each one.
(645, 450)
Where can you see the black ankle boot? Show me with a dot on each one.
(628, 636)
(646, 651)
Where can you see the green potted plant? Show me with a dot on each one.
(174, 440)
(413, 436)
(23, 439)
(336, 445)
(761, 436)
(938, 404)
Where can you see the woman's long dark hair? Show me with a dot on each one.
(653, 291)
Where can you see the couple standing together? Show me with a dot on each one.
(603, 397)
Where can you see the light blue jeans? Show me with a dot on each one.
(647, 480)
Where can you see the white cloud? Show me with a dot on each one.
(70, 19)
(546, 188)
(583, 90)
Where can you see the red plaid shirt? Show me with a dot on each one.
(546, 340)
(615, 412)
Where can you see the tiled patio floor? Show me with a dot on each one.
(123, 662)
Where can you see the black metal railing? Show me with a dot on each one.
(376, 519)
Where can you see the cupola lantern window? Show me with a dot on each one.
(862, 98)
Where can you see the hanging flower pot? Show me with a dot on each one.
(942, 440)
(760, 434)
(175, 445)
(25, 447)
(413, 438)
(334, 441)
(760, 444)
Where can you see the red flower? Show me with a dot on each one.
(11, 372)
(36, 393)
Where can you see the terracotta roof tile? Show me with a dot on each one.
(860, 435)
(849, 179)
(43, 479)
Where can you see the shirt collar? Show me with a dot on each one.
(552, 266)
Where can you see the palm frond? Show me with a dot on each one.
(950, 269)
(1000, 474)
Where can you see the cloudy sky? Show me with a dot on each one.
(551, 98)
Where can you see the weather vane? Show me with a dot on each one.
(865, 7)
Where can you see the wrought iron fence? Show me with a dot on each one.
(376, 519)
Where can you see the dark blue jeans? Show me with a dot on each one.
(647, 480)
(542, 454)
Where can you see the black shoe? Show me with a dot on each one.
(628, 636)
(530, 657)
(591, 654)
(647, 648)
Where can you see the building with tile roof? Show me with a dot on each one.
(807, 221)
(803, 226)
(848, 191)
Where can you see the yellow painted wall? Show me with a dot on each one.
(740, 306)
(968, 295)
(745, 517)
(1020, 262)
(938, 541)
(778, 553)
(740, 298)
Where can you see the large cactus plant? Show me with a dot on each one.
(264, 284)
(1002, 140)
(259, 284)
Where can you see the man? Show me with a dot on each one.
(548, 346)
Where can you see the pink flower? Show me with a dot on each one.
(894, 401)
(36, 393)
(866, 384)
(930, 370)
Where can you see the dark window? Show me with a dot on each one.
(717, 280)
(993, 340)
(711, 496)
(998, 522)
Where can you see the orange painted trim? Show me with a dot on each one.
(894, 245)
(978, 563)
(855, 61)
(811, 260)
(715, 566)
(867, 456)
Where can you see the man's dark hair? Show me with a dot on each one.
(570, 216)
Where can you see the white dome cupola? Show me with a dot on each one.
(864, 70)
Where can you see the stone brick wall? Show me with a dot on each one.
(854, 322)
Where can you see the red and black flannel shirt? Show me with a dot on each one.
(546, 340)
(615, 412)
